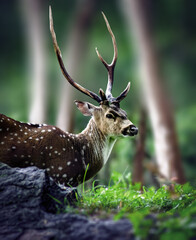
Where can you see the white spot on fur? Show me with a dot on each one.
(68, 163)
(83, 161)
(60, 168)
(64, 175)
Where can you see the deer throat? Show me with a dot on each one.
(108, 148)
(101, 144)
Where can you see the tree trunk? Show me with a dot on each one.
(73, 57)
(157, 103)
(35, 34)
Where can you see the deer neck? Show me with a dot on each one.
(101, 144)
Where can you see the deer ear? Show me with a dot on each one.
(85, 108)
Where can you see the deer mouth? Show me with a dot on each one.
(130, 131)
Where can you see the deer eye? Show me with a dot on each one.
(109, 115)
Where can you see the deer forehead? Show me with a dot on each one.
(117, 112)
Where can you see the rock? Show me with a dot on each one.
(28, 210)
(32, 188)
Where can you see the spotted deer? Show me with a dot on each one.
(67, 156)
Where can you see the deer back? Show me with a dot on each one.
(65, 156)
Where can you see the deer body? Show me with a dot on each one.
(68, 157)
(65, 156)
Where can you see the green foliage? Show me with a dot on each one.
(163, 212)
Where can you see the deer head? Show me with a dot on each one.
(109, 117)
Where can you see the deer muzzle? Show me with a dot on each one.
(131, 130)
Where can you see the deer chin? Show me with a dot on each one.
(130, 131)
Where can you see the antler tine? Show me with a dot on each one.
(123, 94)
(64, 71)
(110, 67)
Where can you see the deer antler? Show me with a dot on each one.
(110, 68)
(64, 71)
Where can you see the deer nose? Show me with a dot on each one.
(133, 130)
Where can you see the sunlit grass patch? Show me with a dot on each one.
(165, 212)
(123, 196)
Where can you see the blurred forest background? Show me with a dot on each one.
(160, 32)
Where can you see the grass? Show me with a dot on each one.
(122, 196)
(158, 212)
(161, 212)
